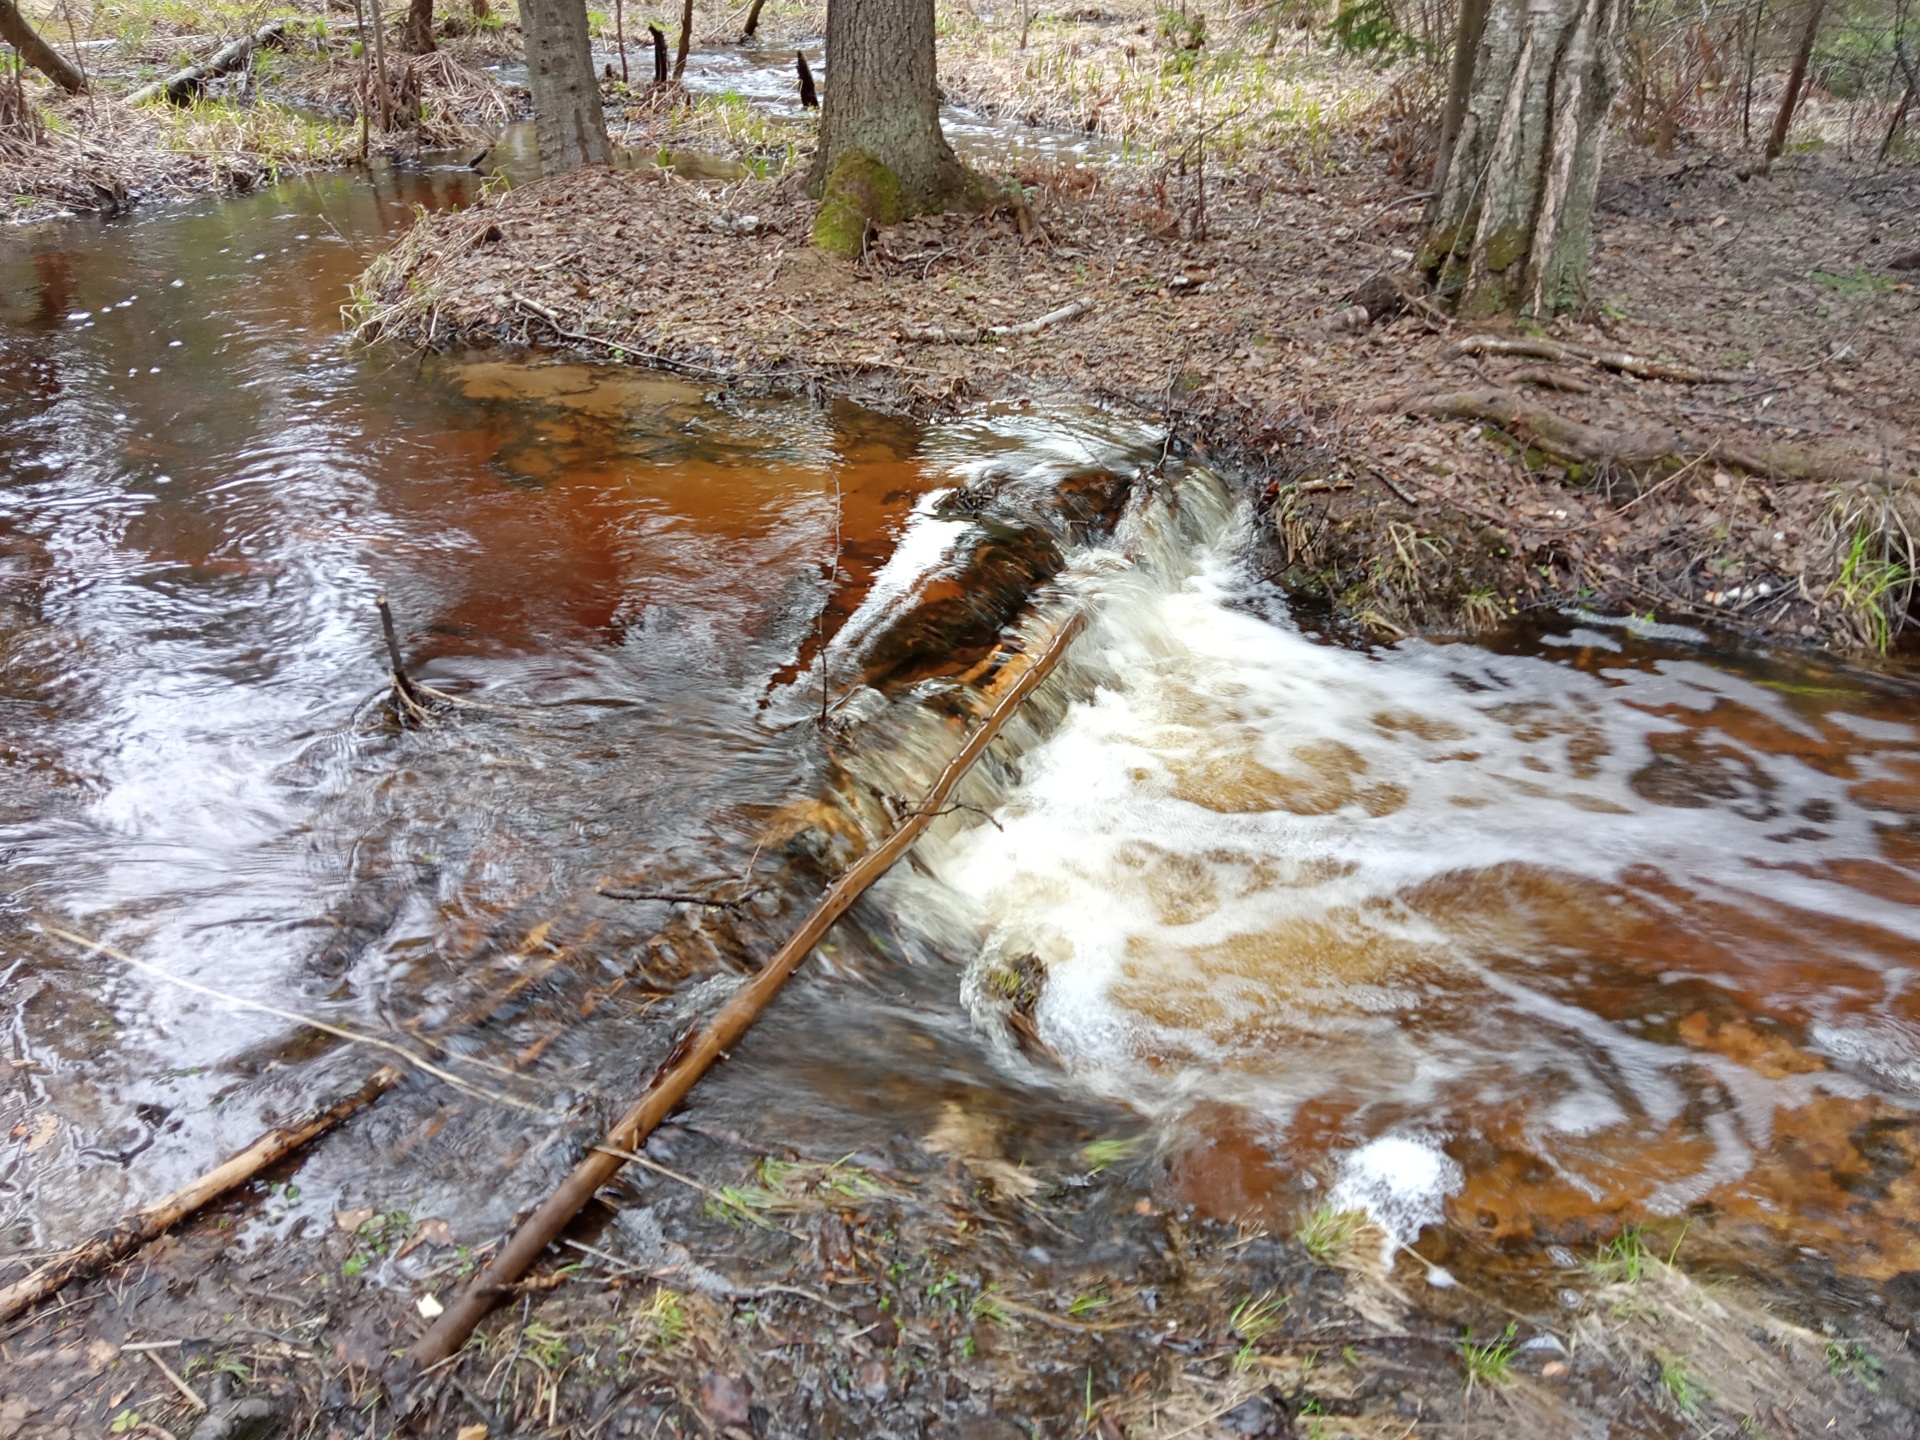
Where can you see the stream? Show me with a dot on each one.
(1507, 943)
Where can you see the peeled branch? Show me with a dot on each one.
(936, 335)
(27, 43)
(1607, 359)
(135, 1229)
(183, 85)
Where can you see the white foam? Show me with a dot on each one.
(1402, 1183)
(1263, 870)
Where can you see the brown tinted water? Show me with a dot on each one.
(1519, 942)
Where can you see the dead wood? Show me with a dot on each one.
(408, 703)
(1606, 359)
(183, 85)
(753, 20)
(1550, 380)
(686, 40)
(135, 1229)
(27, 43)
(700, 1048)
(939, 335)
(1641, 449)
(809, 96)
(659, 53)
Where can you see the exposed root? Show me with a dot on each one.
(1637, 451)
(1534, 349)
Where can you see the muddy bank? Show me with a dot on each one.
(938, 1285)
(1414, 484)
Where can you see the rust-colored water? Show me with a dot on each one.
(1593, 926)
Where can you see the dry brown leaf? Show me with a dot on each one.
(37, 1132)
(433, 1231)
(351, 1220)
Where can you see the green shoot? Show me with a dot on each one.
(1687, 1395)
(1330, 1235)
(1491, 1361)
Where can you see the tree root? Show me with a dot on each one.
(1648, 448)
(1607, 359)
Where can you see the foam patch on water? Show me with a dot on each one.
(1402, 1183)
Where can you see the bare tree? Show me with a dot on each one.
(1796, 81)
(566, 95)
(15, 30)
(1510, 226)
(883, 100)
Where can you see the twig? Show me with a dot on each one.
(356, 1036)
(937, 335)
(1607, 359)
(634, 1157)
(173, 1378)
(676, 897)
(135, 1229)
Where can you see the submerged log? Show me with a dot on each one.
(183, 85)
(147, 1223)
(696, 1052)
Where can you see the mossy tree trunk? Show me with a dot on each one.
(883, 100)
(1511, 227)
(566, 95)
(27, 43)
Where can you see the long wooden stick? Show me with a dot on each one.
(699, 1048)
(136, 1228)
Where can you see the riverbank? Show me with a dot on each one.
(1729, 439)
(949, 1288)
(293, 104)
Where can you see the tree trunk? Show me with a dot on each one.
(686, 40)
(566, 95)
(1466, 49)
(15, 30)
(1796, 79)
(753, 20)
(1512, 226)
(883, 98)
(417, 34)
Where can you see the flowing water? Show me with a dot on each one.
(1509, 944)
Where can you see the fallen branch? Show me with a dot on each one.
(135, 1229)
(27, 43)
(699, 1048)
(1648, 448)
(1606, 359)
(183, 85)
(939, 335)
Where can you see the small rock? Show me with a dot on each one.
(1256, 1416)
(1349, 318)
(1553, 1370)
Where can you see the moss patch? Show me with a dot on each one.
(860, 191)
